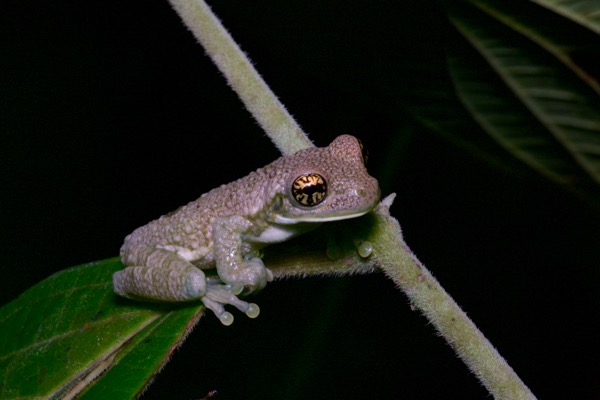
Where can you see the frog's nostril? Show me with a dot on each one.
(361, 193)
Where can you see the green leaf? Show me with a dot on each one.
(59, 336)
(584, 12)
(434, 104)
(547, 107)
(550, 31)
(506, 120)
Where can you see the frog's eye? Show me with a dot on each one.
(309, 190)
(363, 151)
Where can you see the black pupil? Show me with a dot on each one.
(309, 190)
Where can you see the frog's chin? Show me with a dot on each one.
(297, 219)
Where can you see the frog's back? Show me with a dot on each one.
(192, 224)
(250, 197)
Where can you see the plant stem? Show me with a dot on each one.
(392, 255)
(427, 295)
(241, 75)
(390, 252)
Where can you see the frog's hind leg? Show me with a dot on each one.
(172, 278)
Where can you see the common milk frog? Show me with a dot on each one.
(225, 228)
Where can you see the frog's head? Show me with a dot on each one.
(327, 184)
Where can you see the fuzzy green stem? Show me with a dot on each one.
(392, 255)
(427, 295)
(241, 75)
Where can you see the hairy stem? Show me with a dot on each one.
(241, 75)
(392, 255)
(427, 295)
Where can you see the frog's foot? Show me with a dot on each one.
(253, 277)
(219, 295)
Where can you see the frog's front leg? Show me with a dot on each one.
(163, 275)
(234, 266)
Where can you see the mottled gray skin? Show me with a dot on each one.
(225, 227)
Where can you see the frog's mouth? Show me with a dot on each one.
(338, 208)
(280, 219)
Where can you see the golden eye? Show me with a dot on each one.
(309, 190)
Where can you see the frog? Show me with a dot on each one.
(226, 228)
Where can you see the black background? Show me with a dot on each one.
(111, 115)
